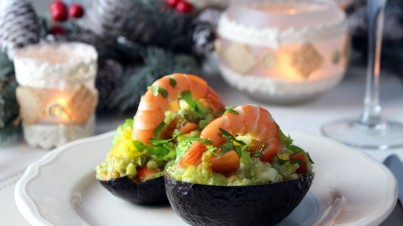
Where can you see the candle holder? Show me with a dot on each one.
(57, 94)
(283, 51)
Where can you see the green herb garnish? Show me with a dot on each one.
(159, 128)
(158, 90)
(229, 145)
(156, 142)
(281, 161)
(229, 109)
(229, 136)
(172, 82)
(187, 96)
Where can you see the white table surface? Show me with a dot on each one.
(343, 101)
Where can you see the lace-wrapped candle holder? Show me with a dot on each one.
(57, 92)
(283, 51)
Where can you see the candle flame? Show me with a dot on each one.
(55, 110)
(58, 110)
(292, 11)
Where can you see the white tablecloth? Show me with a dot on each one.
(342, 102)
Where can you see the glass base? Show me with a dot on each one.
(381, 136)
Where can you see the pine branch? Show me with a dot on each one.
(6, 68)
(157, 63)
(9, 108)
(9, 133)
(159, 26)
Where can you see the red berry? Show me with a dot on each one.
(184, 7)
(172, 3)
(56, 5)
(58, 11)
(56, 30)
(76, 11)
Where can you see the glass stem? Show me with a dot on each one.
(372, 110)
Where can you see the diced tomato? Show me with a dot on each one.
(169, 130)
(256, 145)
(227, 163)
(300, 157)
(143, 173)
(193, 155)
(188, 127)
(269, 153)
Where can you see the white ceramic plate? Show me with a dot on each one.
(349, 189)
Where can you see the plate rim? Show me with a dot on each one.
(29, 209)
(25, 204)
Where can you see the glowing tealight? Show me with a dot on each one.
(283, 51)
(57, 92)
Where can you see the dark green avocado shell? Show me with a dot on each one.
(150, 192)
(235, 205)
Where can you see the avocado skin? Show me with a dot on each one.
(150, 192)
(235, 205)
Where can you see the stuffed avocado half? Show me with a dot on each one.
(241, 164)
(133, 170)
(242, 170)
(175, 107)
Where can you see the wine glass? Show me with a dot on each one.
(369, 130)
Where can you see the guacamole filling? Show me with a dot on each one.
(252, 171)
(140, 161)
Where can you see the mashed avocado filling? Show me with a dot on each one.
(252, 170)
(127, 156)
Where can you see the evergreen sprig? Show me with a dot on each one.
(9, 108)
(157, 63)
(169, 28)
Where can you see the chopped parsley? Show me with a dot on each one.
(158, 90)
(229, 109)
(172, 82)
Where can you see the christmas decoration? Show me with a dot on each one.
(172, 3)
(58, 11)
(19, 25)
(210, 15)
(157, 62)
(137, 42)
(157, 27)
(9, 109)
(56, 30)
(184, 7)
(76, 11)
(282, 61)
(209, 3)
(306, 60)
(105, 17)
(203, 37)
(56, 92)
(109, 76)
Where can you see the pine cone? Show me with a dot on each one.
(109, 75)
(19, 25)
(203, 37)
(210, 15)
(138, 27)
(105, 18)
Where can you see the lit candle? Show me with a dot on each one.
(283, 51)
(57, 92)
